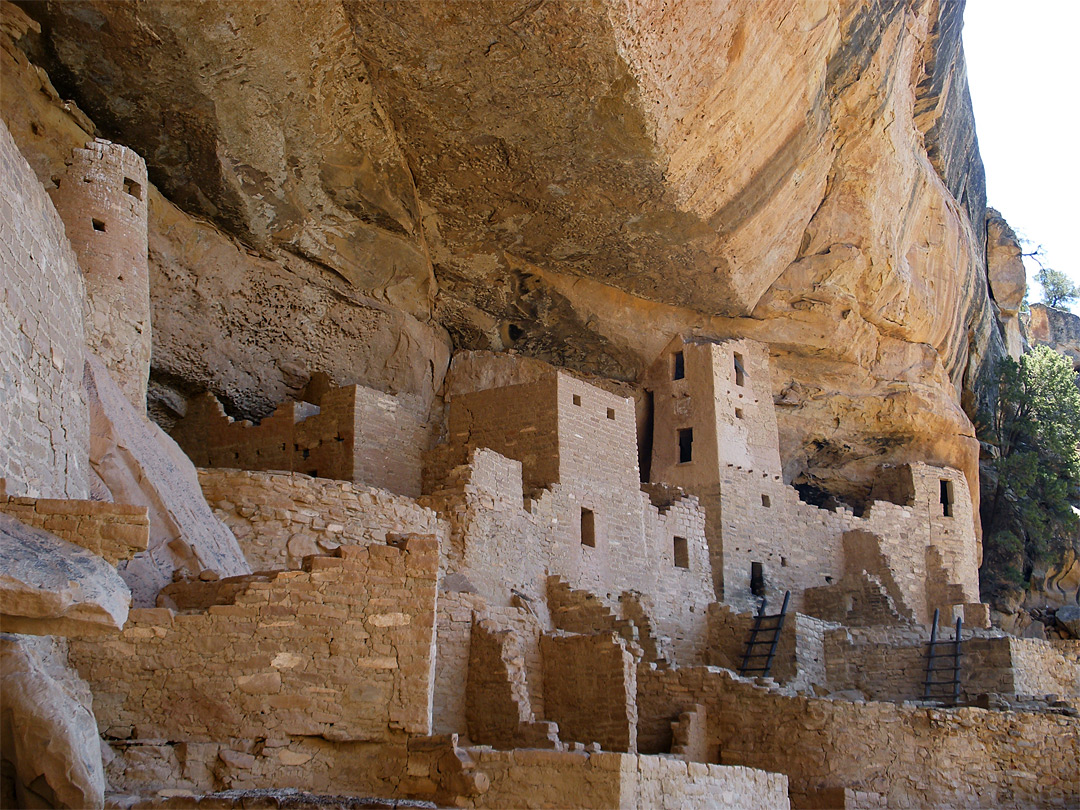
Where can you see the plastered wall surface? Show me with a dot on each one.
(44, 426)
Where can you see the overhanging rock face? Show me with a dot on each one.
(554, 176)
(52, 587)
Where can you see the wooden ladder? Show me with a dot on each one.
(764, 636)
(943, 666)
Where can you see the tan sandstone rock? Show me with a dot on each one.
(51, 587)
(47, 729)
(141, 465)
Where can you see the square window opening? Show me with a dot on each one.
(783, 562)
(740, 374)
(577, 399)
(766, 501)
(679, 371)
(133, 188)
(682, 553)
(588, 528)
(98, 224)
(686, 445)
(611, 413)
(738, 413)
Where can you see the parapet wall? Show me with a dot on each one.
(343, 649)
(102, 200)
(965, 758)
(44, 425)
(280, 518)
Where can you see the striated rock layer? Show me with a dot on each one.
(578, 181)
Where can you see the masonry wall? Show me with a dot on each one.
(964, 758)
(550, 779)
(590, 689)
(502, 547)
(44, 426)
(102, 200)
(518, 421)
(457, 612)
(280, 518)
(352, 434)
(343, 649)
(114, 531)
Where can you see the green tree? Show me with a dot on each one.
(1028, 515)
(1058, 289)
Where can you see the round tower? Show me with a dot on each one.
(102, 200)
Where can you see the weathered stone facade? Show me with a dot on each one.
(44, 427)
(102, 200)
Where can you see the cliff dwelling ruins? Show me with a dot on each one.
(359, 491)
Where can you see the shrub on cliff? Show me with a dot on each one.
(1058, 290)
(1027, 509)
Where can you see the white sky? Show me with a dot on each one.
(1025, 88)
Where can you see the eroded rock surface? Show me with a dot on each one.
(1056, 328)
(47, 727)
(51, 587)
(141, 465)
(578, 181)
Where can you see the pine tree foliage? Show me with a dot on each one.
(1028, 517)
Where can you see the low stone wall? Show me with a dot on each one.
(280, 518)
(343, 649)
(970, 758)
(114, 531)
(550, 779)
(1045, 667)
(894, 667)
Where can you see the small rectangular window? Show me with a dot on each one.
(610, 413)
(98, 225)
(766, 501)
(133, 188)
(577, 399)
(757, 579)
(686, 445)
(588, 528)
(740, 375)
(680, 367)
(946, 498)
(682, 553)
(738, 413)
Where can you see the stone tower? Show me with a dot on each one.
(102, 200)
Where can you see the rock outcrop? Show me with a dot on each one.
(1056, 328)
(51, 587)
(47, 729)
(1008, 279)
(537, 176)
(141, 465)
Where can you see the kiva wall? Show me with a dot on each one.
(44, 426)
